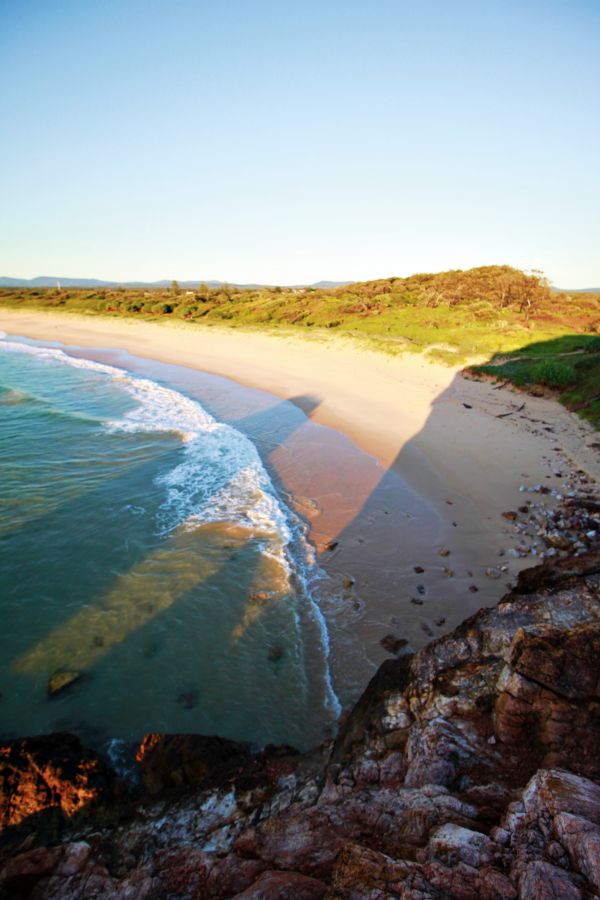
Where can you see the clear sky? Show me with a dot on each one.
(287, 141)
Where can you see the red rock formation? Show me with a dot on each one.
(49, 774)
(470, 770)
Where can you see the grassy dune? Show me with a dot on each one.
(529, 334)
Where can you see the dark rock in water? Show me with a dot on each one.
(173, 760)
(393, 644)
(275, 653)
(468, 770)
(331, 545)
(189, 699)
(151, 649)
(62, 679)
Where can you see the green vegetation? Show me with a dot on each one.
(452, 316)
(569, 365)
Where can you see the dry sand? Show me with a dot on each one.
(448, 466)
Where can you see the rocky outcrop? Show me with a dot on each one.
(470, 770)
(45, 781)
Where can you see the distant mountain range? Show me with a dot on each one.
(51, 281)
(577, 290)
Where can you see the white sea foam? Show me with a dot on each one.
(221, 477)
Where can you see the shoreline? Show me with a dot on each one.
(445, 469)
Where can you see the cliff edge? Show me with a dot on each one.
(469, 770)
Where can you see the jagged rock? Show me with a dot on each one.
(173, 760)
(51, 775)
(468, 770)
(284, 886)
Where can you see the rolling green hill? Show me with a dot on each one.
(454, 316)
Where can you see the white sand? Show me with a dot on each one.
(464, 463)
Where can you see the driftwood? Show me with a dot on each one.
(510, 412)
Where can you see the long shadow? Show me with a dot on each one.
(428, 545)
(155, 584)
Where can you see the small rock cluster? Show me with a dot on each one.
(557, 522)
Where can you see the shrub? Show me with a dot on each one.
(593, 345)
(554, 374)
(162, 309)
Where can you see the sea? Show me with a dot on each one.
(146, 552)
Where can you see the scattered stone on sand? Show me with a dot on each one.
(473, 588)
(449, 573)
(62, 679)
(393, 644)
(421, 589)
(440, 622)
(331, 545)
(511, 515)
(426, 628)
(348, 583)
(493, 572)
(419, 569)
(275, 653)
(444, 551)
(417, 601)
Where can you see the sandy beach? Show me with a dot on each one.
(402, 468)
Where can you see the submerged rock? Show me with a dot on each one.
(62, 679)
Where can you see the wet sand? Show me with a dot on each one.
(395, 463)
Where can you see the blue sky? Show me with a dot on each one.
(283, 142)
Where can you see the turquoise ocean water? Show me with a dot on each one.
(143, 545)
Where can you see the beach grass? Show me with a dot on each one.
(568, 366)
(510, 322)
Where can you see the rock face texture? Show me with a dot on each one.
(469, 770)
(44, 781)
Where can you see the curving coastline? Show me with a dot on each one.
(465, 770)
